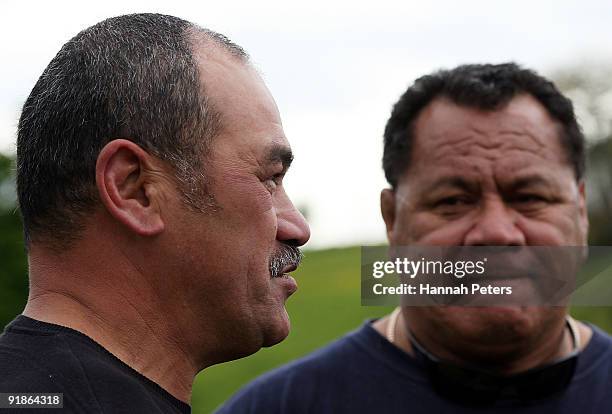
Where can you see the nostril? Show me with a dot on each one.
(292, 233)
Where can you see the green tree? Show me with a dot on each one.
(13, 271)
(590, 88)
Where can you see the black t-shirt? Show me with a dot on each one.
(38, 357)
(365, 373)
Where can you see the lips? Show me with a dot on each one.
(508, 272)
(286, 270)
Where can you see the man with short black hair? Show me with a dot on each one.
(481, 155)
(150, 161)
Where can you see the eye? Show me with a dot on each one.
(530, 202)
(453, 205)
(452, 201)
(529, 198)
(273, 182)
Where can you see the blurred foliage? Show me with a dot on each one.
(13, 268)
(599, 193)
(590, 89)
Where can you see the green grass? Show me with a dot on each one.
(326, 306)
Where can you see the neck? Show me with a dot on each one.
(116, 310)
(505, 360)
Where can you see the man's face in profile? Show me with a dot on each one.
(223, 256)
(487, 178)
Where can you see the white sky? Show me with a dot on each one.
(334, 67)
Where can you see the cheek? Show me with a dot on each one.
(262, 200)
(244, 229)
(557, 227)
(252, 198)
(427, 228)
(241, 193)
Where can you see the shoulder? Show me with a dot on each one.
(599, 349)
(42, 361)
(31, 361)
(21, 372)
(600, 343)
(601, 335)
(46, 358)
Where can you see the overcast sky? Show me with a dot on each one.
(334, 67)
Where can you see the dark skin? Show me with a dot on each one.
(487, 178)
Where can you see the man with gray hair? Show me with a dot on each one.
(150, 161)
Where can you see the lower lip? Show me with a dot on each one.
(288, 283)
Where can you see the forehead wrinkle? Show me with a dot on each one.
(473, 145)
(481, 168)
(492, 129)
(482, 145)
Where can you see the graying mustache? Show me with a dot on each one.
(285, 257)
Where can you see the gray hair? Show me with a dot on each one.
(132, 77)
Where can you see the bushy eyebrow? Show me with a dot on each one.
(528, 181)
(463, 184)
(454, 182)
(279, 153)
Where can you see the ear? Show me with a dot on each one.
(387, 208)
(126, 189)
(583, 214)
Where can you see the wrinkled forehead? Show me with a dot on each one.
(519, 137)
(234, 88)
(249, 120)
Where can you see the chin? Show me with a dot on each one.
(277, 329)
(501, 324)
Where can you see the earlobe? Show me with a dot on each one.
(387, 208)
(124, 190)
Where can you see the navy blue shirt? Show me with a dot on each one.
(39, 357)
(364, 373)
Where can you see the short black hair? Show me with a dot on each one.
(132, 77)
(483, 86)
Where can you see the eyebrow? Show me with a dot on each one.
(455, 182)
(279, 153)
(468, 186)
(530, 180)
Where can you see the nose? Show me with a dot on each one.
(495, 226)
(292, 227)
